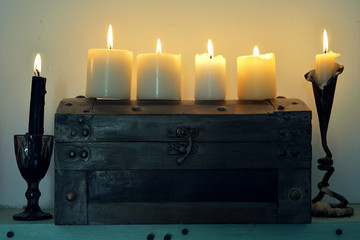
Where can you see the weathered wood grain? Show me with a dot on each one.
(242, 121)
(89, 106)
(183, 185)
(250, 162)
(298, 209)
(154, 128)
(181, 213)
(209, 155)
(72, 212)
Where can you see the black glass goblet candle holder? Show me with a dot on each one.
(33, 155)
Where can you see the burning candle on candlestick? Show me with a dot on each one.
(37, 101)
(324, 79)
(325, 66)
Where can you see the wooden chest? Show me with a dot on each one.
(170, 162)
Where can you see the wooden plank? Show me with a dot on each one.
(73, 211)
(75, 105)
(237, 121)
(131, 128)
(156, 155)
(183, 186)
(294, 196)
(289, 105)
(121, 107)
(181, 213)
(154, 128)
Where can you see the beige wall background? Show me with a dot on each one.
(63, 31)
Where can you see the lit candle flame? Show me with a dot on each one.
(37, 65)
(210, 49)
(158, 47)
(256, 51)
(325, 42)
(110, 38)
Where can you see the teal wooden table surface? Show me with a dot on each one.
(336, 228)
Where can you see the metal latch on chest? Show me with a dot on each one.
(183, 149)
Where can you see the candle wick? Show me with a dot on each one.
(210, 56)
(325, 51)
(37, 73)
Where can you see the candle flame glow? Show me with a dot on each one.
(210, 49)
(37, 65)
(158, 47)
(256, 51)
(110, 38)
(325, 42)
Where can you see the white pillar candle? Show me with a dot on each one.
(325, 64)
(256, 76)
(158, 75)
(210, 75)
(109, 72)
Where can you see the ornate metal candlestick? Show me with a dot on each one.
(33, 155)
(324, 101)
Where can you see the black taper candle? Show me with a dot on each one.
(37, 103)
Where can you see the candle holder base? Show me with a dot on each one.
(30, 215)
(324, 209)
(324, 100)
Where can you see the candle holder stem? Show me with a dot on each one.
(33, 155)
(324, 100)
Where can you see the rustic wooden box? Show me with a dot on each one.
(169, 162)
